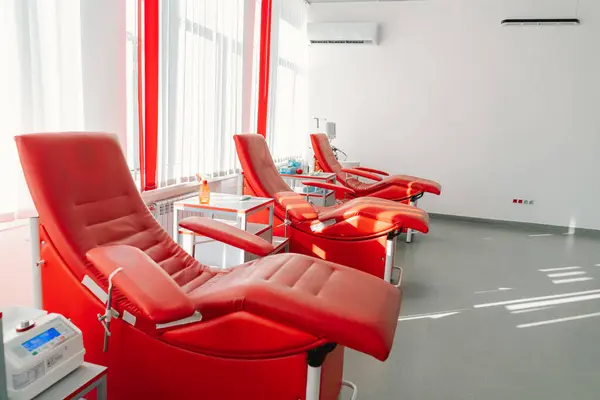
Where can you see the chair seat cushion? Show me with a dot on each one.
(357, 218)
(327, 300)
(367, 216)
(410, 184)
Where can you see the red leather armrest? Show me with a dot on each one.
(357, 172)
(228, 234)
(341, 190)
(380, 210)
(372, 170)
(143, 282)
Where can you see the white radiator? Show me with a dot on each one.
(163, 211)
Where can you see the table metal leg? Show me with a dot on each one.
(188, 243)
(176, 226)
(224, 256)
(36, 262)
(102, 389)
(242, 222)
(409, 232)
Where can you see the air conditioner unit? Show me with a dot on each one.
(343, 33)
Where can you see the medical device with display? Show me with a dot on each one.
(40, 349)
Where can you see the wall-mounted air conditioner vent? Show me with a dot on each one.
(340, 42)
(540, 21)
(343, 33)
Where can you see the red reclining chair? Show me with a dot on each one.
(396, 187)
(360, 233)
(403, 188)
(274, 328)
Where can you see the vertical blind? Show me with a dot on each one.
(132, 68)
(208, 84)
(287, 133)
(200, 95)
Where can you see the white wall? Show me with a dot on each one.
(493, 113)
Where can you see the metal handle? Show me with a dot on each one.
(286, 223)
(109, 312)
(101, 319)
(397, 285)
(353, 387)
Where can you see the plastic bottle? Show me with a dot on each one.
(204, 193)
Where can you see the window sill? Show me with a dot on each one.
(180, 189)
(19, 223)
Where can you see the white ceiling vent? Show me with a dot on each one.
(343, 33)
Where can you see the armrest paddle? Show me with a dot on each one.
(372, 170)
(228, 234)
(141, 280)
(341, 190)
(357, 172)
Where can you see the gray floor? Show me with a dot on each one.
(468, 352)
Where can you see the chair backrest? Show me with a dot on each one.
(258, 166)
(325, 156)
(324, 153)
(263, 178)
(85, 196)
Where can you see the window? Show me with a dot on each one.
(288, 126)
(132, 71)
(201, 84)
(208, 67)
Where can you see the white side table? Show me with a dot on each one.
(78, 384)
(231, 209)
(317, 196)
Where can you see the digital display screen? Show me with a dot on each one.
(40, 340)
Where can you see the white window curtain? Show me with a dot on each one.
(287, 132)
(41, 84)
(132, 69)
(201, 81)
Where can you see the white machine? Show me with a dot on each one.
(39, 348)
(330, 130)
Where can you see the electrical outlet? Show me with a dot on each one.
(525, 202)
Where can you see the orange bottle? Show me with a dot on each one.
(204, 192)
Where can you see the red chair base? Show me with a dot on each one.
(365, 255)
(143, 366)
